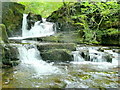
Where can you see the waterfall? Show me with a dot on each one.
(38, 30)
(24, 25)
(29, 54)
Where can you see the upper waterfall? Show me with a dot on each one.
(38, 30)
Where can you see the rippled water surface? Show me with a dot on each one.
(72, 75)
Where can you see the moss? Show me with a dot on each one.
(65, 37)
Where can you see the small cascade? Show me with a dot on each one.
(93, 54)
(77, 56)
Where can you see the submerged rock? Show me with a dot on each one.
(85, 54)
(32, 18)
(57, 55)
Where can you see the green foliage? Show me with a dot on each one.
(42, 8)
(96, 19)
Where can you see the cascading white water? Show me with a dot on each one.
(95, 55)
(29, 54)
(77, 56)
(39, 29)
(24, 25)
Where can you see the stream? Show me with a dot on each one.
(92, 66)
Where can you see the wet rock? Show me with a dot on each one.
(57, 55)
(108, 57)
(32, 18)
(116, 50)
(7, 82)
(85, 54)
(12, 15)
(101, 49)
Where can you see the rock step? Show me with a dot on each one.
(47, 46)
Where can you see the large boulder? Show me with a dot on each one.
(32, 18)
(56, 52)
(12, 15)
(57, 55)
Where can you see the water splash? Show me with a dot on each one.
(30, 56)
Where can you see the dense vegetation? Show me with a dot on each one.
(42, 8)
(94, 20)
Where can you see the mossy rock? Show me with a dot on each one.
(3, 33)
(12, 15)
(10, 56)
(57, 55)
(66, 37)
(8, 63)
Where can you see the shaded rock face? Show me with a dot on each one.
(12, 15)
(31, 19)
(9, 54)
(113, 39)
(57, 55)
